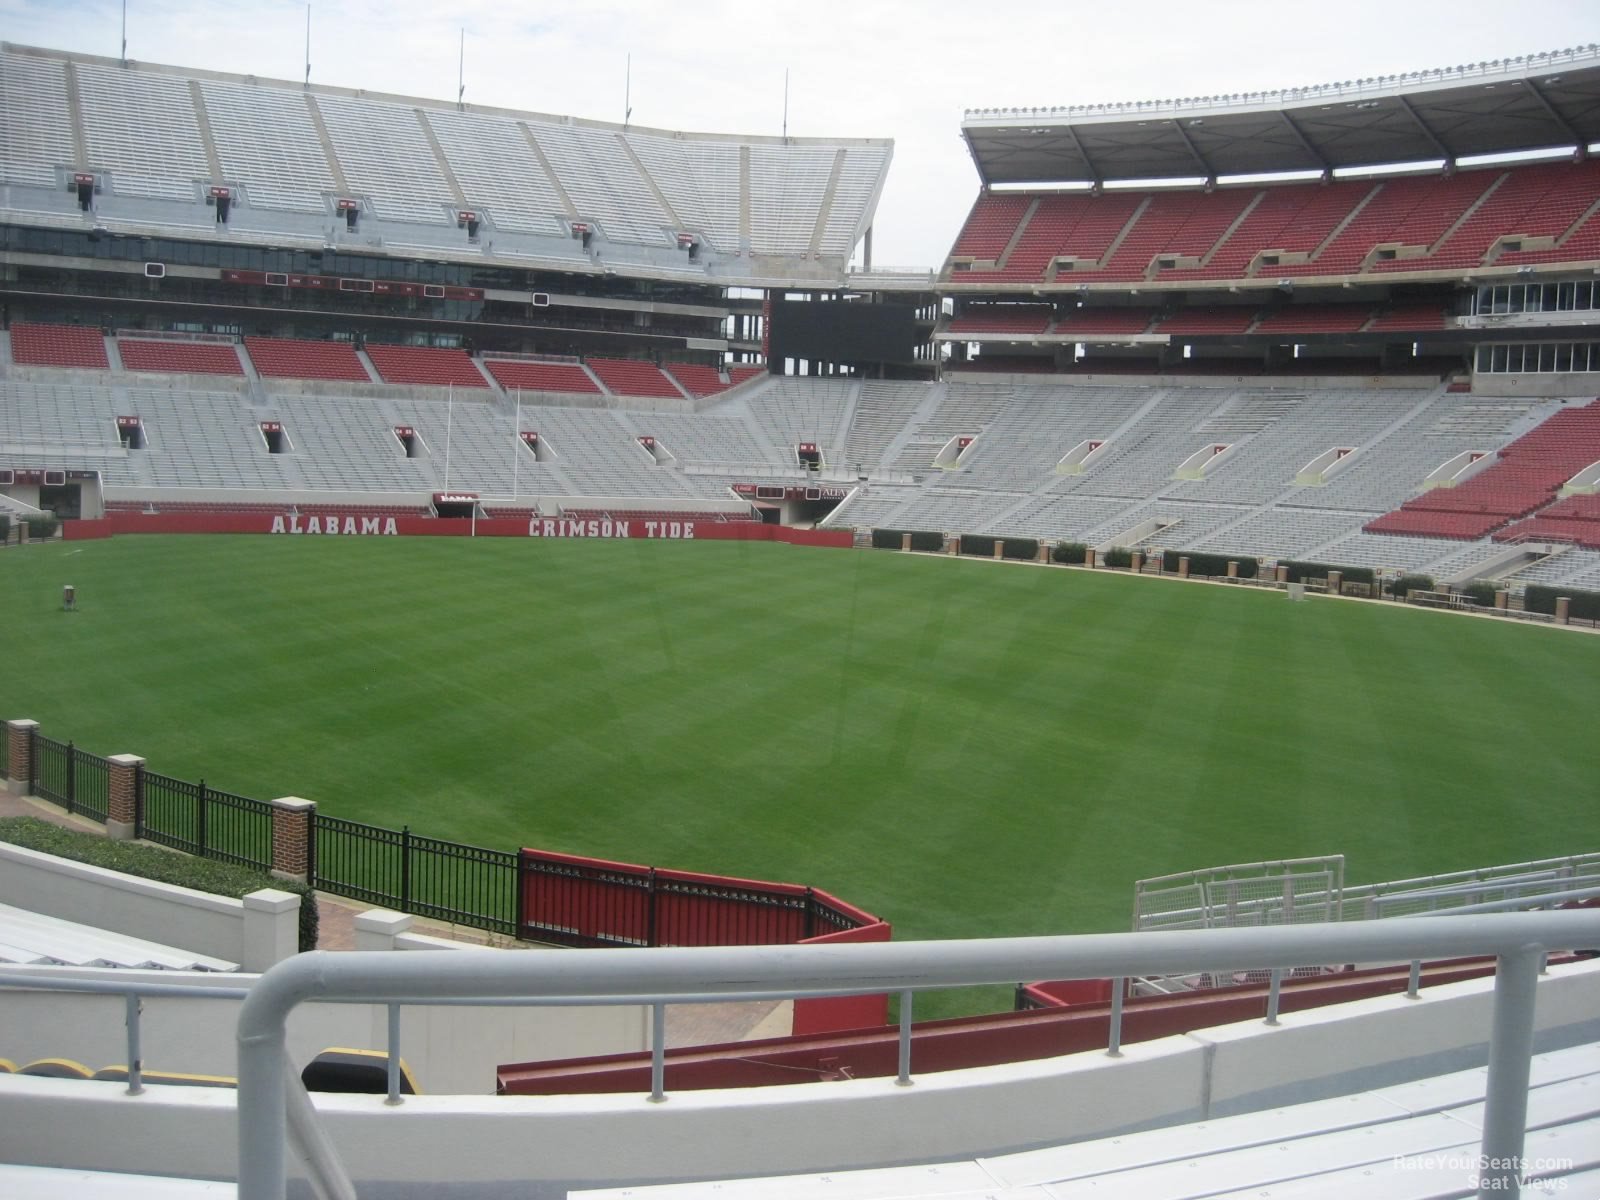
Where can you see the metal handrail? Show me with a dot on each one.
(659, 976)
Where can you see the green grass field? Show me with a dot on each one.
(962, 747)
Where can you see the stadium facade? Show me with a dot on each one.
(237, 300)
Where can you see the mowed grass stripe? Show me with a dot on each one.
(967, 748)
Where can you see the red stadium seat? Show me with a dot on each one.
(59, 346)
(294, 358)
(419, 364)
(541, 376)
(179, 358)
(634, 377)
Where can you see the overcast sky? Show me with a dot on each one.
(858, 68)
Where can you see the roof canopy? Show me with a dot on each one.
(1516, 105)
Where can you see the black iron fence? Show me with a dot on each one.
(75, 779)
(448, 881)
(545, 897)
(199, 820)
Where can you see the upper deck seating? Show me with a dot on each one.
(1075, 225)
(634, 377)
(1185, 224)
(1406, 211)
(419, 364)
(990, 224)
(296, 358)
(59, 346)
(1293, 219)
(179, 358)
(1355, 226)
(1542, 200)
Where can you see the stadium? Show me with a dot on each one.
(1226, 495)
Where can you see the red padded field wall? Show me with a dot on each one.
(715, 910)
(830, 1014)
(311, 522)
(577, 901)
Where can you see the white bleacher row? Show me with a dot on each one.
(1006, 484)
(790, 411)
(418, 162)
(882, 411)
(146, 124)
(1409, 1141)
(267, 135)
(33, 95)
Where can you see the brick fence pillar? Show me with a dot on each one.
(1233, 569)
(19, 754)
(1183, 567)
(952, 544)
(999, 547)
(1044, 551)
(291, 837)
(905, 541)
(1136, 563)
(1335, 582)
(1088, 557)
(1282, 573)
(1563, 606)
(1502, 599)
(122, 798)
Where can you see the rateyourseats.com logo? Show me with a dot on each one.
(1534, 1176)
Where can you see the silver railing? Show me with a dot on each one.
(272, 1102)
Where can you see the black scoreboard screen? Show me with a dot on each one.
(838, 331)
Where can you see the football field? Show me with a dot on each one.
(964, 748)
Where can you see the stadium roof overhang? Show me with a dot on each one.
(1512, 106)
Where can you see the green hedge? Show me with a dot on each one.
(928, 541)
(1541, 599)
(1070, 552)
(978, 545)
(1117, 556)
(166, 866)
(1402, 584)
(1480, 591)
(1023, 548)
(1300, 571)
(1215, 565)
(42, 526)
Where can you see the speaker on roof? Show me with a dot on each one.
(155, 270)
